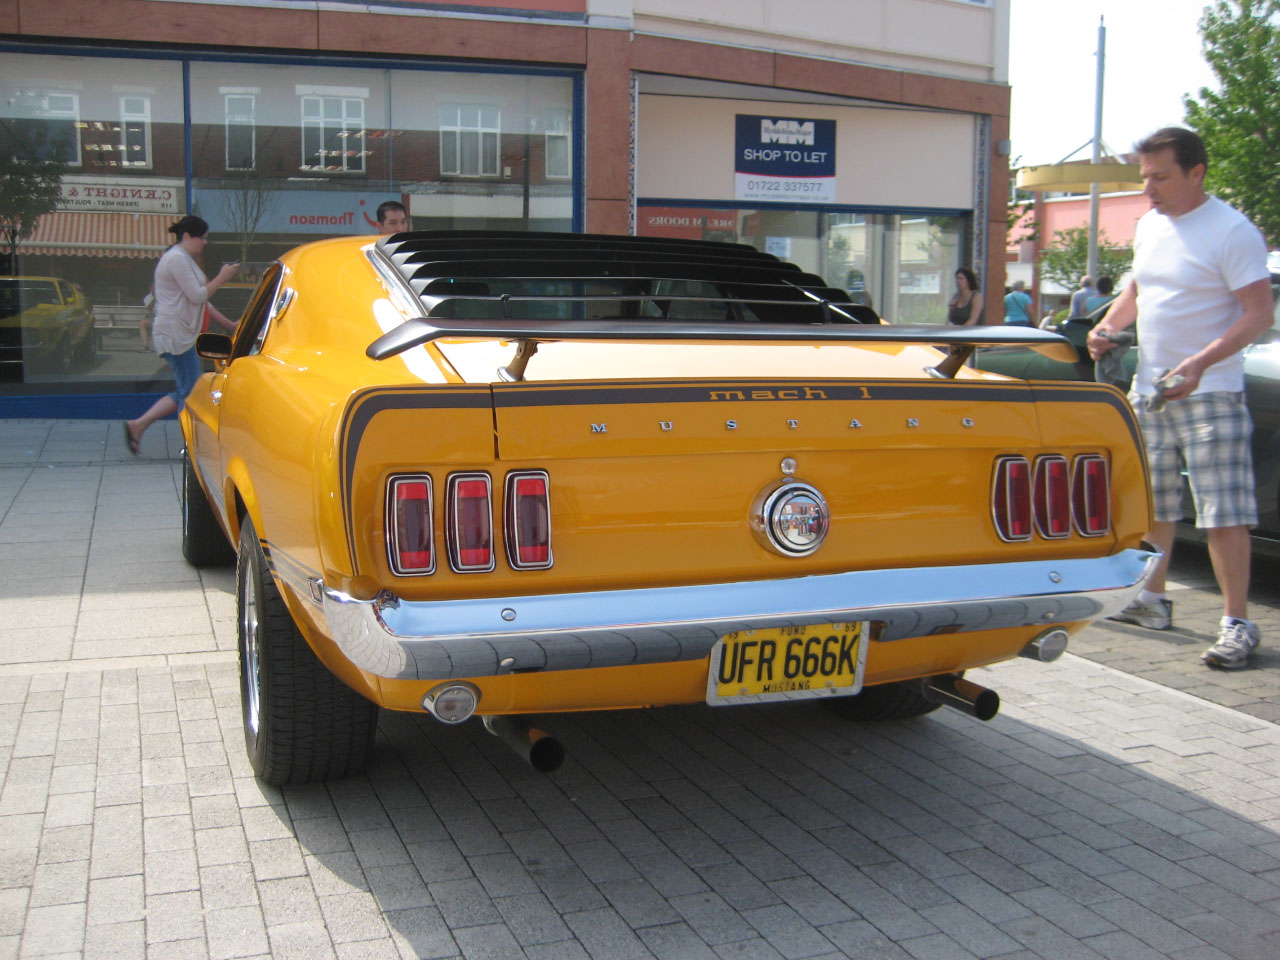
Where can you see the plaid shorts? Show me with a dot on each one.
(1208, 435)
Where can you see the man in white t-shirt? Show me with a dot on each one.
(1201, 293)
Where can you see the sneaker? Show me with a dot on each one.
(1237, 639)
(1157, 615)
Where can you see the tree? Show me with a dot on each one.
(31, 169)
(1065, 260)
(1240, 123)
(247, 204)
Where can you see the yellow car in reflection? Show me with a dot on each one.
(500, 475)
(46, 325)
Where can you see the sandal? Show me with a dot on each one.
(130, 440)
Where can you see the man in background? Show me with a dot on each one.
(1201, 293)
(392, 217)
(1079, 298)
(1017, 305)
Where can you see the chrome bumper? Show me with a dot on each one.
(450, 639)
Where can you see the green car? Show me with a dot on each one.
(1262, 388)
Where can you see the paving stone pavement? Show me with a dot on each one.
(1100, 815)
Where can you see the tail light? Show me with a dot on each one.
(469, 523)
(1011, 498)
(409, 539)
(1091, 496)
(528, 520)
(1052, 497)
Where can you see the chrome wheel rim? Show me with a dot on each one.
(249, 650)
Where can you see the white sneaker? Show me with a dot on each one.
(1237, 639)
(1157, 615)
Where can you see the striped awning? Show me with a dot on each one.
(87, 234)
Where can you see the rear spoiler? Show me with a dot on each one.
(541, 287)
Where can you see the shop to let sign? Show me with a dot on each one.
(785, 159)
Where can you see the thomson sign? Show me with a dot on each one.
(784, 159)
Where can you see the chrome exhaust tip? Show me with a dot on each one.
(542, 752)
(1047, 647)
(965, 695)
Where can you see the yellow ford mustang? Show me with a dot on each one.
(503, 474)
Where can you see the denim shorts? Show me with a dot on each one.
(1208, 434)
(186, 371)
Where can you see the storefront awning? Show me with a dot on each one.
(1080, 177)
(69, 233)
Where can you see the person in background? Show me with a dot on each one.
(181, 292)
(1078, 298)
(1105, 295)
(1017, 305)
(392, 217)
(965, 308)
(1201, 293)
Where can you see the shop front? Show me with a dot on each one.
(881, 202)
(110, 149)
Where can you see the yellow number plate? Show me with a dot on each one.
(788, 663)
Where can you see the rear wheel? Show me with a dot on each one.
(203, 542)
(301, 723)
(885, 701)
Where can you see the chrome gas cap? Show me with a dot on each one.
(791, 518)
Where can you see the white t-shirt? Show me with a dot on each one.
(1187, 268)
(180, 299)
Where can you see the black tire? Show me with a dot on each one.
(86, 351)
(301, 723)
(885, 701)
(203, 542)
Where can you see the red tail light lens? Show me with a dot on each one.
(470, 523)
(1052, 497)
(1091, 496)
(1011, 498)
(409, 540)
(528, 520)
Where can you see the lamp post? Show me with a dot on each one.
(1092, 263)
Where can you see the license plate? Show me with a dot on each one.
(788, 663)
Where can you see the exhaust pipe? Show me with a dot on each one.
(1046, 647)
(542, 752)
(965, 695)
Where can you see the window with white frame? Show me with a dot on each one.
(56, 135)
(135, 130)
(241, 140)
(333, 135)
(559, 155)
(469, 140)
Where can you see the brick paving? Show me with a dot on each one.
(1124, 806)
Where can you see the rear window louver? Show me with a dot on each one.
(559, 286)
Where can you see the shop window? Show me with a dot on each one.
(135, 131)
(241, 140)
(469, 135)
(333, 135)
(559, 154)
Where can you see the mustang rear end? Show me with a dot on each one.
(512, 474)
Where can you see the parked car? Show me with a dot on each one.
(1262, 390)
(507, 474)
(46, 325)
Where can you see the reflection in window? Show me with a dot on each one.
(55, 134)
(333, 134)
(241, 148)
(135, 130)
(469, 140)
(559, 164)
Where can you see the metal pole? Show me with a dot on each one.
(1092, 267)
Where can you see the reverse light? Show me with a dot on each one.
(1091, 496)
(1011, 498)
(408, 519)
(527, 520)
(1052, 491)
(469, 523)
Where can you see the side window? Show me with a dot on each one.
(64, 289)
(135, 131)
(252, 330)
